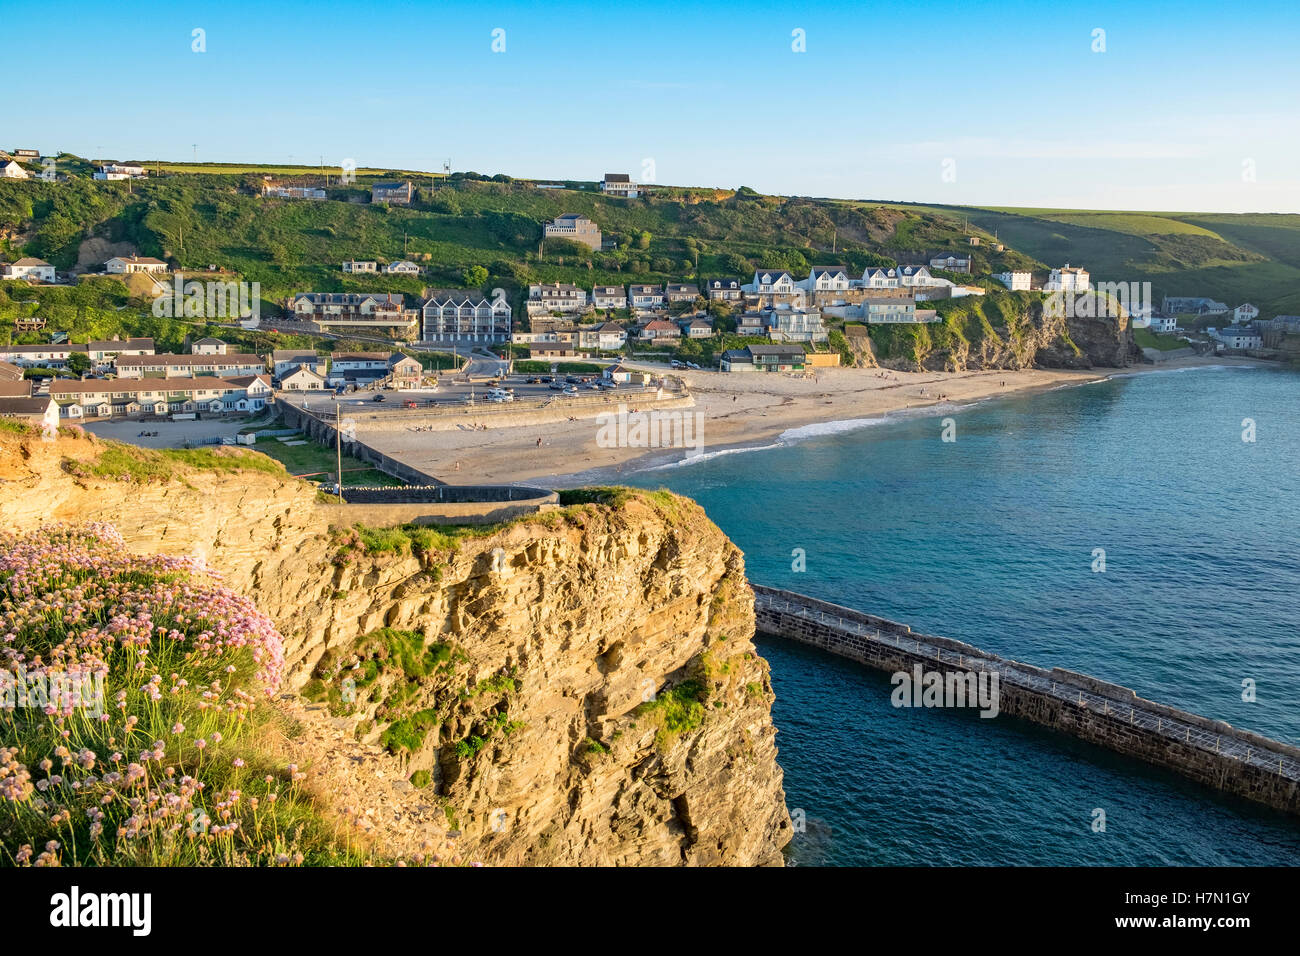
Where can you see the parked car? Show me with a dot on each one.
(379, 397)
(533, 380)
(409, 404)
(570, 390)
(547, 379)
(556, 386)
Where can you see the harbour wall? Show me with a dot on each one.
(1211, 752)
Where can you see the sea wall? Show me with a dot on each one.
(1210, 752)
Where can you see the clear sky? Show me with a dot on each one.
(1192, 105)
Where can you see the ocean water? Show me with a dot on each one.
(992, 539)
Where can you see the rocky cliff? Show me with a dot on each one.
(994, 331)
(579, 687)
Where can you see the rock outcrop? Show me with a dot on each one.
(580, 687)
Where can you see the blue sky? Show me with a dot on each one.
(966, 102)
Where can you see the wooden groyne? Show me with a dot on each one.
(1210, 752)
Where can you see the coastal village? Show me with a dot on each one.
(771, 320)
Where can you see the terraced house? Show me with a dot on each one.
(462, 316)
(39, 356)
(555, 297)
(129, 398)
(379, 311)
(609, 297)
(168, 365)
(642, 296)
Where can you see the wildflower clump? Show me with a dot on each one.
(132, 712)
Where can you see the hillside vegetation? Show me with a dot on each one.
(472, 230)
(1235, 258)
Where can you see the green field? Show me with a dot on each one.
(320, 463)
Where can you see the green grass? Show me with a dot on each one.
(320, 463)
(675, 712)
(131, 463)
(1147, 339)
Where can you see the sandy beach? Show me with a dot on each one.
(734, 411)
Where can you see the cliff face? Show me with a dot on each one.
(575, 688)
(1002, 331)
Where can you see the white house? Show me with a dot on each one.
(1240, 338)
(619, 185)
(123, 265)
(795, 325)
(358, 266)
(402, 267)
(11, 170)
(723, 290)
(303, 379)
(1244, 313)
(1066, 279)
(1016, 281)
(642, 296)
(611, 336)
(609, 297)
(209, 346)
(41, 411)
(918, 277)
(772, 282)
(826, 279)
(875, 277)
(113, 171)
(37, 269)
(555, 297)
(952, 263)
(285, 361)
(1162, 323)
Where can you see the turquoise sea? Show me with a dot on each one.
(991, 539)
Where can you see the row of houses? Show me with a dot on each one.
(568, 299)
(209, 358)
(402, 267)
(442, 316)
(133, 397)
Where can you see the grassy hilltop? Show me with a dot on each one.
(1235, 258)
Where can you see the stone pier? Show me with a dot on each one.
(1210, 752)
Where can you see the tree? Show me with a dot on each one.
(643, 241)
(737, 264)
(475, 277)
(78, 363)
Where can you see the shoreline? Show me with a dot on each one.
(735, 414)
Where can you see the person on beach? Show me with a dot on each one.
(539, 441)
